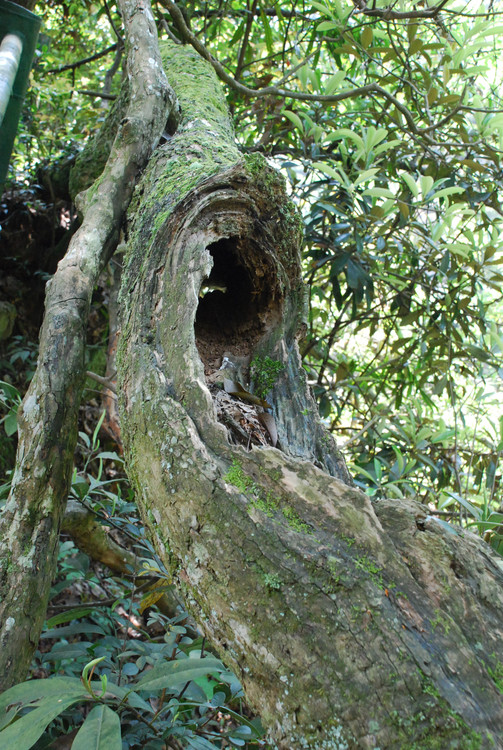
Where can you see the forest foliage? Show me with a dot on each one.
(387, 123)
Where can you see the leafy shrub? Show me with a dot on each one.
(109, 662)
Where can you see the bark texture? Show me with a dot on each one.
(30, 522)
(350, 624)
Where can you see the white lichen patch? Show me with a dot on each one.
(248, 641)
(330, 739)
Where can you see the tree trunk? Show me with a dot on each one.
(349, 623)
(30, 522)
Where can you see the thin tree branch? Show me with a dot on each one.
(97, 94)
(371, 88)
(107, 382)
(388, 14)
(112, 24)
(30, 522)
(79, 63)
(246, 37)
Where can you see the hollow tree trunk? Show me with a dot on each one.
(350, 624)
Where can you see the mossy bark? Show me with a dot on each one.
(31, 519)
(350, 624)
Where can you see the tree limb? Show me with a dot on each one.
(388, 14)
(97, 94)
(84, 61)
(107, 382)
(30, 523)
(372, 88)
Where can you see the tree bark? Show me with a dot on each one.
(350, 623)
(30, 522)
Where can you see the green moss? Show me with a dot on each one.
(174, 170)
(440, 621)
(272, 581)
(237, 477)
(334, 569)
(274, 474)
(434, 726)
(330, 736)
(348, 539)
(271, 185)
(268, 504)
(264, 372)
(263, 500)
(373, 570)
(161, 219)
(295, 521)
(496, 674)
(415, 734)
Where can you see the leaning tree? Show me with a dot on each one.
(350, 623)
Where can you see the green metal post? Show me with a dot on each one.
(18, 38)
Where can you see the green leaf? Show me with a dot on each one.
(100, 731)
(303, 75)
(327, 25)
(111, 456)
(23, 733)
(175, 674)
(237, 34)
(6, 719)
(367, 174)
(123, 693)
(448, 191)
(332, 172)
(365, 473)
(199, 743)
(95, 441)
(386, 146)
(377, 192)
(73, 614)
(366, 37)
(478, 353)
(10, 423)
(347, 133)
(334, 82)
(322, 8)
(76, 629)
(411, 184)
(426, 182)
(32, 690)
(295, 119)
(89, 666)
(267, 32)
(472, 509)
(439, 437)
(415, 46)
(11, 392)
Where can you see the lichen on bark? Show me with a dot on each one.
(31, 519)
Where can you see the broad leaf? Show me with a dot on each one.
(32, 690)
(174, 674)
(100, 731)
(24, 732)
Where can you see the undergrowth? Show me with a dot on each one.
(120, 663)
